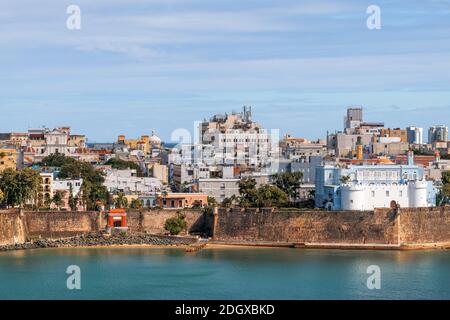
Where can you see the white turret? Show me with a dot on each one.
(352, 197)
(418, 194)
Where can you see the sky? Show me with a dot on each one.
(137, 66)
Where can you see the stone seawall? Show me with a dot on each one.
(18, 226)
(423, 227)
(306, 226)
(56, 224)
(153, 221)
(12, 228)
(409, 227)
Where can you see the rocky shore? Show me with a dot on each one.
(100, 239)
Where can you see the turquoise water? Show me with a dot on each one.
(228, 273)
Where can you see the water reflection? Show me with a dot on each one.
(224, 273)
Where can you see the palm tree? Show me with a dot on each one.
(120, 201)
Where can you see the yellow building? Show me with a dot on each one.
(8, 159)
(144, 144)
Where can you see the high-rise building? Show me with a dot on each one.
(437, 133)
(414, 135)
(237, 139)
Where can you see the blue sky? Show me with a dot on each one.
(139, 65)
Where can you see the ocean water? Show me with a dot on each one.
(224, 273)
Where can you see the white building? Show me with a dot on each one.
(366, 187)
(64, 185)
(51, 185)
(128, 182)
(251, 147)
(56, 141)
(219, 189)
(364, 196)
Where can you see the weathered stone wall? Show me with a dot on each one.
(12, 230)
(307, 226)
(152, 221)
(425, 225)
(53, 224)
(409, 227)
(17, 227)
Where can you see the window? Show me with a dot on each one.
(373, 194)
(387, 193)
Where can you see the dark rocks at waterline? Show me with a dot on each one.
(99, 239)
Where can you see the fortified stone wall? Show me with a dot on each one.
(409, 227)
(153, 221)
(425, 225)
(16, 227)
(55, 224)
(307, 226)
(12, 230)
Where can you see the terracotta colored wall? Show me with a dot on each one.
(307, 226)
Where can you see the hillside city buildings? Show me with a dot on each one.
(364, 166)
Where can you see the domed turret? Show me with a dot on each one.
(154, 139)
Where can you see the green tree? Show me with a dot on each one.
(117, 163)
(212, 201)
(136, 204)
(176, 224)
(289, 182)
(228, 202)
(56, 160)
(19, 187)
(47, 201)
(271, 196)
(121, 201)
(58, 199)
(93, 191)
(446, 183)
(72, 200)
(247, 191)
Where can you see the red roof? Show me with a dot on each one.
(117, 211)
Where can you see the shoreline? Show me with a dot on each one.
(192, 244)
(329, 246)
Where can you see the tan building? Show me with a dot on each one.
(8, 159)
(14, 139)
(159, 171)
(390, 149)
(395, 133)
(182, 200)
(292, 147)
(77, 141)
